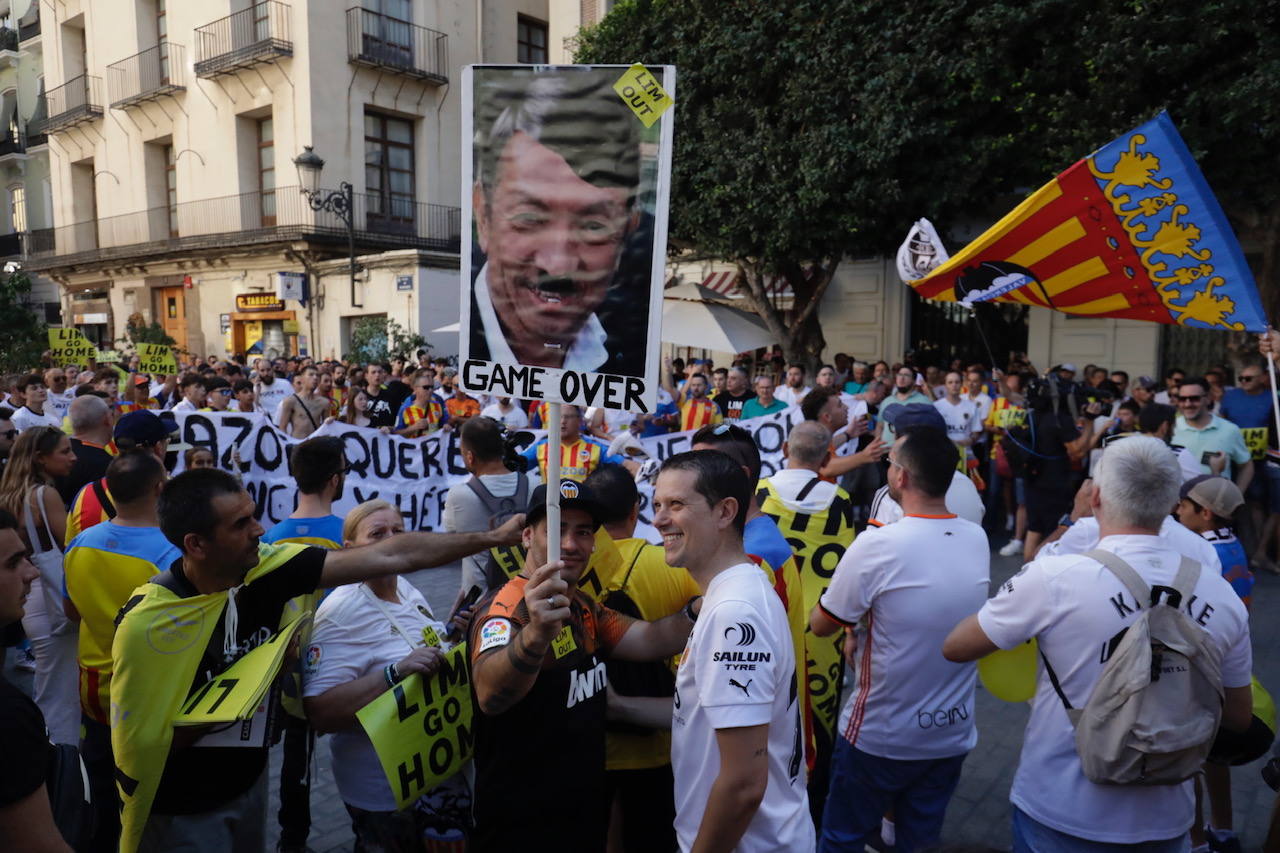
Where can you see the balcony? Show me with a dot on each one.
(249, 37)
(77, 101)
(379, 41)
(10, 245)
(145, 76)
(29, 29)
(8, 40)
(256, 218)
(13, 146)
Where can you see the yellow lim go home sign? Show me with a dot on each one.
(421, 728)
(70, 346)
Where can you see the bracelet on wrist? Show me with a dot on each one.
(688, 609)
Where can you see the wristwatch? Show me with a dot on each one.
(688, 609)
(1065, 521)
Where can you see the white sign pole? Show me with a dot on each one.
(553, 482)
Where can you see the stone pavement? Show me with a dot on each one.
(979, 812)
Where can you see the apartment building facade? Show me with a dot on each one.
(173, 128)
(27, 201)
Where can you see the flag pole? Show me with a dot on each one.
(1275, 400)
(973, 307)
(553, 482)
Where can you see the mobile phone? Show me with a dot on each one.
(1206, 458)
(469, 600)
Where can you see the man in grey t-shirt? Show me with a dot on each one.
(493, 494)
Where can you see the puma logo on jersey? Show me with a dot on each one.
(584, 685)
(743, 687)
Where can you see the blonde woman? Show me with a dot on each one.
(368, 636)
(39, 456)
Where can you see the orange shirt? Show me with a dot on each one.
(467, 407)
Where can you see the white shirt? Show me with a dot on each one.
(1074, 606)
(791, 396)
(839, 439)
(1083, 536)
(962, 499)
(961, 417)
(514, 418)
(737, 670)
(983, 402)
(616, 421)
(353, 638)
(587, 353)
(271, 396)
(24, 419)
(184, 405)
(914, 581)
(58, 404)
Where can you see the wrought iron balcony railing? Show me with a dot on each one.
(30, 29)
(13, 142)
(248, 37)
(77, 101)
(148, 75)
(8, 38)
(381, 41)
(275, 215)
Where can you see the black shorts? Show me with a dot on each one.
(646, 806)
(1045, 507)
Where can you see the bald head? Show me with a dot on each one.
(88, 413)
(808, 446)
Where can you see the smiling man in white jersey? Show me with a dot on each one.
(736, 747)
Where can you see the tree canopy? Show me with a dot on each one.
(23, 334)
(816, 130)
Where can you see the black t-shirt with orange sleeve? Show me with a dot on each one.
(545, 755)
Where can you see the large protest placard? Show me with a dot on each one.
(565, 191)
(70, 346)
(414, 475)
(156, 358)
(421, 728)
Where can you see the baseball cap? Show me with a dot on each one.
(573, 495)
(1147, 383)
(142, 427)
(913, 415)
(1217, 494)
(141, 379)
(1069, 367)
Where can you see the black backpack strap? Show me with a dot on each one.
(104, 499)
(808, 487)
(1053, 679)
(307, 411)
(631, 568)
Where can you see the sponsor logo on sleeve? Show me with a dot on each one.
(745, 630)
(314, 654)
(495, 633)
(745, 688)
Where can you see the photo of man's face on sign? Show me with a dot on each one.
(565, 214)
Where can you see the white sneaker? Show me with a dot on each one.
(1012, 548)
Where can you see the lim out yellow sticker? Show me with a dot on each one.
(643, 93)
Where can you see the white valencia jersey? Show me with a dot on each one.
(738, 670)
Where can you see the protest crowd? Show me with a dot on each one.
(793, 667)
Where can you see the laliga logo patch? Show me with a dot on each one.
(313, 657)
(494, 633)
(568, 489)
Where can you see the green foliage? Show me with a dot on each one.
(380, 339)
(814, 130)
(23, 334)
(138, 331)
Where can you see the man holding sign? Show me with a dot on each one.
(222, 599)
(538, 650)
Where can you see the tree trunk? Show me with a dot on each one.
(800, 335)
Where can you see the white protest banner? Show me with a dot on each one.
(566, 189)
(414, 475)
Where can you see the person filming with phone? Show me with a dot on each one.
(1208, 436)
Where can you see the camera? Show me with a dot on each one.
(511, 444)
(1052, 393)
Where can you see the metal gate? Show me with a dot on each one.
(939, 332)
(1196, 350)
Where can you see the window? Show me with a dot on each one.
(262, 21)
(18, 209)
(162, 46)
(388, 172)
(267, 171)
(388, 34)
(171, 188)
(531, 41)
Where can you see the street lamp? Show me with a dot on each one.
(339, 202)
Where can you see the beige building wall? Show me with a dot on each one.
(113, 171)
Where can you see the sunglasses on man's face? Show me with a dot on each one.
(1246, 378)
(1191, 398)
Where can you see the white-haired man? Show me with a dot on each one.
(1076, 608)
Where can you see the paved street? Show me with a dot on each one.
(979, 813)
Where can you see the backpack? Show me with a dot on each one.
(1154, 712)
